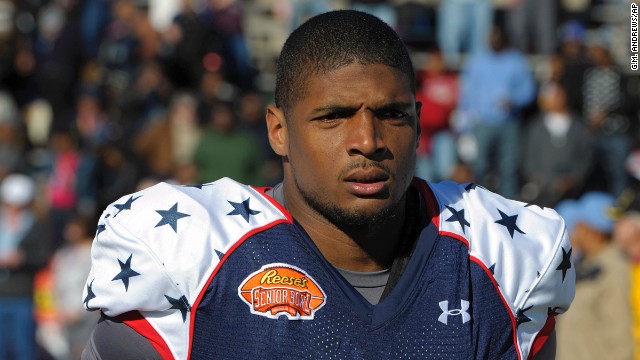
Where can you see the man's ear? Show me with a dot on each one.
(418, 129)
(277, 130)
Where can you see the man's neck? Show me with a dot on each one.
(363, 250)
(371, 248)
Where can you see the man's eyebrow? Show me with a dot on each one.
(394, 105)
(328, 109)
(345, 108)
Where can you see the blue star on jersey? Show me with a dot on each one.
(471, 186)
(459, 217)
(170, 217)
(197, 186)
(242, 209)
(90, 295)
(509, 222)
(492, 268)
(125, 272)
(521, 318)
(180, 304)
(101, 228)
(126, 205)
(566, 263)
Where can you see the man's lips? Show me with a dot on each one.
(366, 182)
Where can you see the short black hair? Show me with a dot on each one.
(334, 39)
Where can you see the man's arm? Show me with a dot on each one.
(548, 350)
(113, 339)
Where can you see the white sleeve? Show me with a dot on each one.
(525, 248)
(155, 251)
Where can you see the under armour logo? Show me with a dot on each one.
(464, 306)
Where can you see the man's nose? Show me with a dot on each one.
(366, 136)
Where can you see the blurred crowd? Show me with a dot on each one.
(533, 99)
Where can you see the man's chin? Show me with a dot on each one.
(359, 216)
(352, 212)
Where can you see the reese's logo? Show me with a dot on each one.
(281, 289)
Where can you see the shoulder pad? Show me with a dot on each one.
(156, 250)
(523, 247)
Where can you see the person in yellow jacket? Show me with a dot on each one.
(598, 326)
(627, 235)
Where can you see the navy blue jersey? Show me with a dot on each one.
(223, 271)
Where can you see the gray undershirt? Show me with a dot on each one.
(369, 284)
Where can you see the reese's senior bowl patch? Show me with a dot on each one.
(282, 289)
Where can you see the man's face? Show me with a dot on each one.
(349, 144)
(626, 234)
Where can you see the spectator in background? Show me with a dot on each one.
(183, 174)
(463, 27)
(251, 108)
(557, 151)
(574, 62)
(301, 10)
(17, 58)
(186, 42)
(382, 9)
(38, 121)
(211, 86)
(147, 96)
(62, 185)
(227, 18)
(115, 173)
(93, 19)
(606, 109)
(90, 119)
(135, 19)
(226, 151)
(171, 140)
(127, 43)
(57, 58)
(12, 136)
(24, 249)
(626, 234)
(70, 266)
(597, 327)
(438, 92)
(417, 23)
(212, 89)
(496, 85)
(93, 128)
(533, 22)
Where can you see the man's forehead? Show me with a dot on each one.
(323, 68)
(352, 74)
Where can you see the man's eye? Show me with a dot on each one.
(392, 114)
(330, 117)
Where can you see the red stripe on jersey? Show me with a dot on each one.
(263, 192)
(239, 242)
(455, 236)
(504, 302)
(433, 207)
(137, 322)
(543, 335)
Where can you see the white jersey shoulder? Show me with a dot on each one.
(524, 247)
(155, 250)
